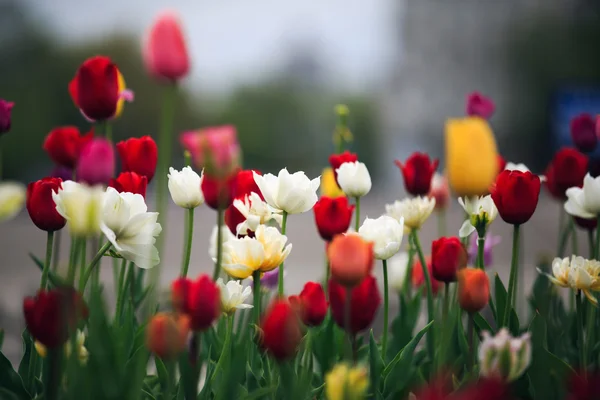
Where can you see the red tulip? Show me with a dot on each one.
(501, 163)
(130, 182)
(365, 301)
(333, 216)
(200, 300)
(567, 169)
(139, 155)
(584, 386)
(281, 333)
(244, 185)
(516, 195)
(166, 335)
(41, 207)
(473, 289)
(51, 315)
(312, 304)
(418, 279)
(64, 145)
(587, 224)
(448, 255)
(418, 172)
(350, 258)
(479, 105)
(218, 192)
(165, 52)
(96, 164)
(336, 160)
(488, 389)
(583, 132)
(215, 149)
(5, 115)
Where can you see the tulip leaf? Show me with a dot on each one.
(500, 294)
(54, 279)
(463, 344)
(163, 374)
(481, 324)
(261, 393)
(375, 363)
(10, 380)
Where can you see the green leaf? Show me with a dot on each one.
(54, 279)
(461, 337)
(6, 394)
(163, 374)
(500, 294)
(10, 380)
(375, 363)
(261, 393)
(481, 324)
(24, 369)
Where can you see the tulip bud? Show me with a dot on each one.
(567, 169)
(166, 335)
(218, 192)
(479, 105)
(503, 356)
(184, 187)
(96, 164)
(417, 172)
(5, 115)
(312, 304)
(329, 186)
(130, 182)
(473, 289)
(418, 277)
(139, 155)
(41, 207)
(346, 383)
(164, 51)
(365, 300)
(12, 198)
(200, 300)
(350, 258)
(281, 333)
(336, 161)
(516, 195)
(354, 179)
(332, 216)
(448, 255)
(214, 149)
(64, 145)
(583, 133)
(439, 191)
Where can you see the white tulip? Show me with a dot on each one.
(130, 228)
(291, 193)
(521, 167)
(184, 187)
(225, 236)
(12, 199)
(576, 273)
(481, 211)
(503, 356)
(233, 296)
(413, 211)
(385, 233)
(354, 179)
(584, 202)
(81, 206)
(256, 211)
(397, 269)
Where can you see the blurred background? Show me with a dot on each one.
(276, 70)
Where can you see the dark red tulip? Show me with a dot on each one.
(583, 132)
(332, 216)
(418, 279)
(5, 115)
(336, 160)
(218, 192)
(41, 207)
(312, 304)
(130, 182)
(479, 105)
(417, 172)
(200, 300)
(64, 145)
(365, 301)
(567, 169)
(281, 334)
(139, 155)
(516, 195)
(584, 386)
(448, 255)
(486, 388)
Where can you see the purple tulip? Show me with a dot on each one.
(96, 164)
(479, 105)
(5, 111)
(490, 242)
(270, 279)
(64, 173)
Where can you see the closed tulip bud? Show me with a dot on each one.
(503, 356)
(345, 382)
(130, 182)
(567, 169)
(139, 155)
(583, 133)
(329, 186)
(354, 179)
(215, 149)
(336, 161)
(480, 106)
(218, 192)
(312, 304)
(165, 51)
(516, 195)
(41, 207)
(184, 187)
(473, 289)
(418, 277)
(5, 115)
(281, 334)
(64, 145)
(332, 216)
(439, 191)
(200, 300)
(351, 259)
(12, 199)
(448, 255)
(365, 301)
(417, 171)
(96, 164)
(166, 335)
(385, 233)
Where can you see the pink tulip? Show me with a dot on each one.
(96, 164)
(164, 51)
(479, 105)
(5, 111)
(215, 149)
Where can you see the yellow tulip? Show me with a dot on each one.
(471, 156)
(345, 383)
(329, 186)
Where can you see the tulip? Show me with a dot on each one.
(336, 161)
(130, 228)
(385, 233)
(166, 335)
(252, 212)
(51, 315)
(329, 186)
(501, 163)
(583, 133)
(41, 207)
(98, 89)
(587, 224)
(200, 300)
(313, 304)
(567, 169)
(481, 212)
(365, 301)
(96, 164)
(417, 172)
(418, 279)
(164, 51)
(216, 149)
(233, 296)
(413, 211)
(503, 356)
(480, 106)
(488, 389)
(354, 179)
(584, 386)
(63, 173)
(584, 202)
(439, 191)
(344, 382)
(218, 192)
(130, 182)
(5, 115)
(184, 187)
(80, 350)
(81, 206)
(577, 273)
(281, 333)
(473, 289)
(270, 279)
(332, 216)
(448, 255)
(397, 269)
(291, 193)
(64, 144)
(139, 155)
(516, 196)
(245, 184)
(471, 156)
(226, 235)
(350, 259)
(12, 199)
(490, 242)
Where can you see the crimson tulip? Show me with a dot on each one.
(96, 163)
(418, 279)
(218, 192)
(333, 216)
(41, 207)
(139, 155)
(448, 255)
(501, 163)
(200, 300)
(5, 115)
(336, 160)
(479, 105)
(583, 132)
(64, 145)
(350, 258)
(242, 186)
(281, 334)
(312, 304)
(567, 169)
(418, 172)
(364, 302)
(473, 289)
(130, 182)
(165, 52)
(516, 195)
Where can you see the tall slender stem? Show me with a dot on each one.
(348, 322)
(217, 270)
(446, 304)
(82, 259)
(256, 291)
(108, 131)
(187, 253)
(481, 252)
(564, 238)
(574, 247)
(406, 286)
(75, 244)
(582, 354)
(90, 268)
(471, 337)
(56, 252)
(590, 235)
(357, 215)
(280, 283)
(119, 290)
(52, 372)
(48, 260)
(512, 281)
(386, 301)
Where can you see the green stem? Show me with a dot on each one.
(430, 309)
(73, 261)
(481, 252)
(512, 281)
(217, 270)
(48, 261)
(82, 255)
(591, 325)
(108, 131)
(407, 285)
(171, 367)
(348, 322)
(256, 291)
(582, 355)
(56, 252)
(446, 303)
(280, 285)
(357, 215)
(564, 237)
(471, 338)
(327, 275)
(386, 300)
(120, 290)
(226, 348)
(52, 372)
(90, 267)
(441, 222)
(185, 264)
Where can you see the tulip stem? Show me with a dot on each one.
(256, 292)
(348, 322)
(56, 251)
(446, 304)
(120, 290)
(187, 252)
(92, 264)
(280, 285)
(73, 260)
(590, 235)
(564, 237)
(471, 339)
(481, 252)
(430, 308)
(217, 270)
(386, 301)
(357, 221)
(51, 375)
(512, 280)
(48, 261)
(579, 306)
(407, 287)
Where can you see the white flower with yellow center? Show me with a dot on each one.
(577, 274)
(81, 206)
(256, 211)
(233, 296)
(414, 211)
(292, 193)
(82, 352)
(584, 202)
(481, 211)
(264, 252)
(12, 199)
